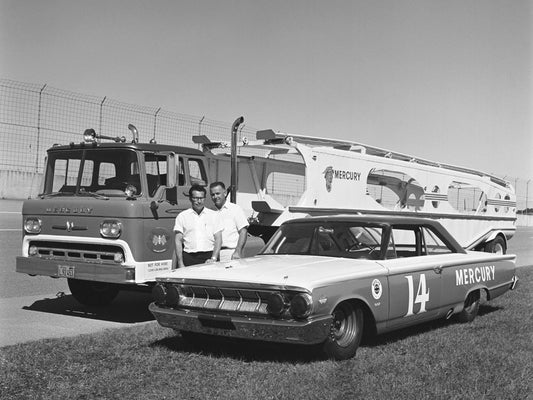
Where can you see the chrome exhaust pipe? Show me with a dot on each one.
(449, 313)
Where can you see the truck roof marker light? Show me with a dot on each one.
(89, 136)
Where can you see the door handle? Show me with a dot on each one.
(438, 270)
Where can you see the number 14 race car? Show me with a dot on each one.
(320, 280)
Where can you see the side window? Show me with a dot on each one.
(407, 241)
(197, 172)
(156, 172)
(181, 172)
(434, 244)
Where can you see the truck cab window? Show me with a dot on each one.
(197, 172)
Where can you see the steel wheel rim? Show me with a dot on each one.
(344, 326)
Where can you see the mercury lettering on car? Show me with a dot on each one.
(467, 276)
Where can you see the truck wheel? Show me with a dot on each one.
(346, 332)
(92, 293)
(497, 246)
(471, 307)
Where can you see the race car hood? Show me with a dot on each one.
(276, 270)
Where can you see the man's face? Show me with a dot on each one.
(197, 201)
(218, 195)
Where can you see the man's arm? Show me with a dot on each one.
(177, 261)
(217, 247)
(243, 235)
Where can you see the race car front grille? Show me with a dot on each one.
(240, 301)
(85, 252)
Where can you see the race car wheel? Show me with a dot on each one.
(497, 246)
(93, 293)
(345, 332)
(471, 307)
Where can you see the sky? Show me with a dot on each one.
(447, 80)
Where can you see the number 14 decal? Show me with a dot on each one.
(422, 295)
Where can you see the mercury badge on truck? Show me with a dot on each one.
(105, 215)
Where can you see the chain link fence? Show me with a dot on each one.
(35, 116)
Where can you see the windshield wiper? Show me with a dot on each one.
(93, 194)
(54, 194)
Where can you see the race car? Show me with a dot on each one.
(324, 280)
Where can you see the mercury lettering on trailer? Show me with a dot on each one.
(467, 276)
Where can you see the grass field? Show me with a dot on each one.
(490, 358)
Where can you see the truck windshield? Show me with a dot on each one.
(98, 172)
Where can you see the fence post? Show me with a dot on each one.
(155, 123)
(527, 196)
(101, 112)
(38, 145)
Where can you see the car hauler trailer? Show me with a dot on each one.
(105, 215)
(293, 176)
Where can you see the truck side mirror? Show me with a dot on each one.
(171, 170)
(171, 195)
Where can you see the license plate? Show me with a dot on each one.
(65, 271)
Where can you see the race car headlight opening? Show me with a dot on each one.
(32, 225)
(110, 229)
(276, 304)
(301, 306)
(159, 293)
(173, 296)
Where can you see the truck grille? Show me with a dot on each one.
(239, 301)
(92, 253)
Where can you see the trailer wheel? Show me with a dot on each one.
(497, 246)
(92, 293)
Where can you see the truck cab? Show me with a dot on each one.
(104, 218)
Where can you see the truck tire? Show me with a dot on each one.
(497, 246)
(91, 293)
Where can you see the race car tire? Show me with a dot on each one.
(91, 293)
(346, 332)
(497, 246)
(471, 307)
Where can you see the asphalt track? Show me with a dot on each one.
(33, 308)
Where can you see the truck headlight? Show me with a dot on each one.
(32, 225)
(110, 229)
(301, 306)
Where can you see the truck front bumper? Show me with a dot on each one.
(112, 273)
(282, 331)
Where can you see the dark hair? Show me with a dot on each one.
(218, 183)
(197, 188)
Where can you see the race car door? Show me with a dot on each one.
(415, 282)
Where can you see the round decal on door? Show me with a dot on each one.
(377, 289)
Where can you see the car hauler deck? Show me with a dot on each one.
(106, 211)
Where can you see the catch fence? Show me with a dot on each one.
(33, 117)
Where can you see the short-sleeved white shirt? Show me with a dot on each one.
(198, 229)
(232, 220)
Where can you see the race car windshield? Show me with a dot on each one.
(341, 239)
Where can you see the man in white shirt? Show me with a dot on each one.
(198, 232)
(234, 223)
